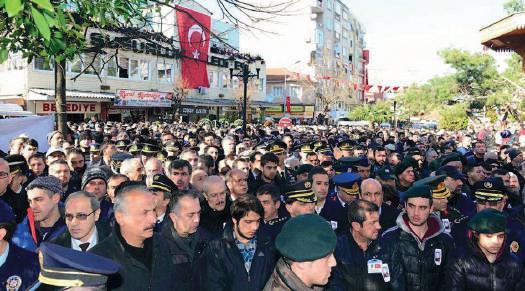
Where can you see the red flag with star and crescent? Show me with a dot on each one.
(194, 37)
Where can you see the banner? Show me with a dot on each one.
(47, 107)
(36, 127)
(288, 104)
(133, 98)
(194, 37)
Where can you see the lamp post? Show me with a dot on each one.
(245, 75)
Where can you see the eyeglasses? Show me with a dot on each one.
(4, 175)
(78, 216)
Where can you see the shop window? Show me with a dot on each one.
(225, 80)
(295, 91)
(42, 64)
(123, 68)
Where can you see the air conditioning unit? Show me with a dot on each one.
(203, 90)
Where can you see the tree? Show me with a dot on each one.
(57, 29)
(378, 112)
(454, 117)
(514, 6)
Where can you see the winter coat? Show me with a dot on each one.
(414, 263)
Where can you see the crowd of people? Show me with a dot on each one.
(179, 206)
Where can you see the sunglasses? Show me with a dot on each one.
(78, 216)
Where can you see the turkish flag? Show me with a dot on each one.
(194, 37)
(288, 104)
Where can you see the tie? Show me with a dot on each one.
(84, 246)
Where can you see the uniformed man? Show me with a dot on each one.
(18, 267)
(64, 269)
(307, 257)
(331, 209)
(122, 145)
(417, 249)
(487, 264)
(304, 150)
(163, 189)
(270, 198)
(346, 148)
(300, 199)
(347, 186)
(117, 159)
(358, 254)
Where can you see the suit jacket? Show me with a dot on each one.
(103, 231)
(388, 216)
(336, 214)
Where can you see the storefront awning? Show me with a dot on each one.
(36, 94)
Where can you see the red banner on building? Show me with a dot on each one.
(288, 104)
(194, 36)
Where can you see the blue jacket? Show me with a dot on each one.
(225, 265)
(335, 214)
(23, 238)
(351, 271)
(20, 269)
(516, 229)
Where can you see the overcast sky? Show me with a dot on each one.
(404, 36)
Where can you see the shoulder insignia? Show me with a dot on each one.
(461, 219)
(13, 283)
(514, 246)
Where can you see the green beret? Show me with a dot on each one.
(403, 165)
(422, 191)
(306, 238)
(488, 221)
(453, 157)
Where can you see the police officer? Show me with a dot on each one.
(18, 267)
(63, 268)
(358, 255)
(487, 265)
(347, 185)
(270, 198)
(331, 209)
(306, 257)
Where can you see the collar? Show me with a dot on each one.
(319, 208)
(3, 257)
(340, 200)
(251, 242)
(161, 218)
(93, 240)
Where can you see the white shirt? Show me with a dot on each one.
(161, 218)
(93, 240)
(319, 208)
(3, 257)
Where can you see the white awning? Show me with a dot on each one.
(36, 94)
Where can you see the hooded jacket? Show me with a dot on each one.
(417, 263)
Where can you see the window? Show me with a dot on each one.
(42, 64)
(75, 66)
(134, 72)
(213, 77)
(277, 91)
(123, 68)
(94, 65)
(225, 80)
(261, 84)
(111, 67)
(295, 92)
(164, 72)
(144, 70)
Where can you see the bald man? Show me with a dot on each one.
(372, 191)
(153, 166)
(215, 208)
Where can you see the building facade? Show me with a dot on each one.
(137, 83)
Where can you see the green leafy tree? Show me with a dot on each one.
(513, 6)
(454, 117)
(377, 112)
(475, 74)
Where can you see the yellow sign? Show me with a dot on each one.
(297, 108)
(278, 108)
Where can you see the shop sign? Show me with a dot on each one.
(187, 110)
(133, 98)
(45, 107)
(297, 108)
(274, 109)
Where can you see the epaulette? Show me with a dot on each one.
(277, 220)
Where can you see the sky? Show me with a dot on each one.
(403, 36)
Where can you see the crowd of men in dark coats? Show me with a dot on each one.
(157, 206)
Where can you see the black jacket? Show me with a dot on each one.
(351, 271)
(225, 265)
(133, 274)
(472, 271)
(213, 221)
(278, 182)
(103, 231)
(417, 264)
(189, 268)
(388, 216)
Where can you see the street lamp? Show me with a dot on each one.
(245, 74)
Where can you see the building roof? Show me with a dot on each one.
(49, 94)
(505, 34)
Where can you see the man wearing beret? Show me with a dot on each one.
(417, 249)
(18, 267)
(358, 254)
(514, 165)
(44, 220)
(306, 244)
(95, 182)
(487, 265)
